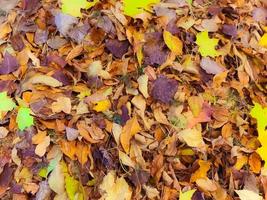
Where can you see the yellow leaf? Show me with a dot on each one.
(126, 160)
(263, 41)
(206, 45)
(192, 137)
(186, 195)
(173, 43)
(73, 7)
(248, 195)
(128, 131)
(133, 8)
(201, 172)
(102, 106)
(260, 113)
(195, 104)
(113, 188)
(241, 161)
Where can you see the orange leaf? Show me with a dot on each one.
(129, 130)
(82, 153)
(68, 148)
(201, 172)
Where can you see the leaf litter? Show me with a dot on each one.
(152, 99)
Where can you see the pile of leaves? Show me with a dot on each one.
(129, 99)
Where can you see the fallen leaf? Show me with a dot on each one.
(40, 149)
(260, 113)
(24, 118)
(134, 8)
(74, 188)
(56, 180)
(186, 195)
(6, 104)
(192, 137)
(10, 64)
(263, 41)
(45, 80)
(248, 195)
(164, 89)
(114, 188)
(128, 131)
(210, 66)
(73, 7)
(62, 104)
(201, 172)
(173, 43)
(143, 85)
(126, 160)
(206, 45)
(102, 106)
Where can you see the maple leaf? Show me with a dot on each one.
(260, 114)
(24, 119)
(136, 7)
(114, 188)
(206, 45)
(73, 7)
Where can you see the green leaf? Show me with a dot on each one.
(136, 7)
(73, 7)
(73, 188)
(187, 195)
(24, 119)
(206, 45)
(7, 103)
